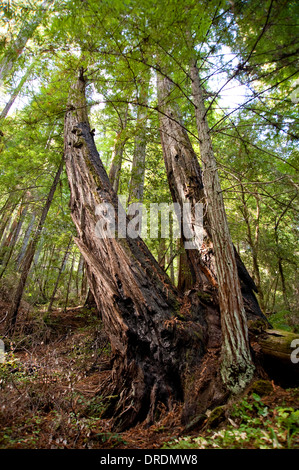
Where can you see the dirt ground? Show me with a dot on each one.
(51, 382)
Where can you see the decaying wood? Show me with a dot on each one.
(279, 356)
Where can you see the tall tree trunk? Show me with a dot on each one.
(253, 240)
(47, 273)
(283, 284)
(237, 367)
(6, 213)
(15, 227)
(279, 256)
(11, 240)
(186, 186)
(30, 252)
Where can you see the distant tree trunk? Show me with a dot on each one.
(83, 282)
(11, 240)
(40, 274)
(25, 241)
(6, 225)
(69, 284)
(4, 221)
(6, 213)
(90, 302)
(15, 226)
(274, 293)
(253, 240)
(15, 93)
(47, 273)
(136, 185)
(15, 49)
(62, 266)
(18, 293)
(237, 367)
(78, 274)
(279, 256)
(283, 284)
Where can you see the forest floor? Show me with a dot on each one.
(50, 397)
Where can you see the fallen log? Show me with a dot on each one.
(280, 344)
(280, 356)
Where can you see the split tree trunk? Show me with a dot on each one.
(159, 338)
(152, 353)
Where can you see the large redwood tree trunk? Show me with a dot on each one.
(163, 343)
